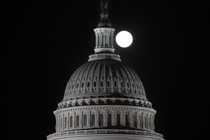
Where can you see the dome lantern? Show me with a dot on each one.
(104, 32)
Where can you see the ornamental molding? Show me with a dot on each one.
(105, 108)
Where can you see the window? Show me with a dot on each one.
(93, 120)
(65, 122)
(149, 122)
(118, 119)
(88, 84)
(127, 120)
(128, 86)
(145, 122)
(95, 84)
(85, 120)
(115, 83)
(135, 120)
(122, 84)
(101, 119)
(109, 119)
(101, 84)
(77, 121)
(70, 121)
(108, 84)
(140, 121)
(61, 123)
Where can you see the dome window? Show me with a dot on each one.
(82, 86)
(88, 84)
(95, 84)
(127, 84)
(133, 86)
(108, 84)
(101, 84)
(69, 87)
(115, 83)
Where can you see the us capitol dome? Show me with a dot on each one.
(104, 99)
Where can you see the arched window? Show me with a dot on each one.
(61, 123)
(77, 121)
(85, 120)
(109, 119)
(153, 125)
(127, 121)
(121, 84)
(147, 117)
(70, 121)
(108, 84)
(104, 40)
(146, 122)
(118, 120)
(101, 119)
(127, 84)
(93, 120)
(82, 85)
(140, 121)
(115, 83)
(135, 120)
(95, 84)
(65, 122)
(88, 84)
(101, 84)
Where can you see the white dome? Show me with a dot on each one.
(104, 78)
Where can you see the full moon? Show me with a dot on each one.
(124, 39)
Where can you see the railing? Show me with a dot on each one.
(104, 56)
(105, 131)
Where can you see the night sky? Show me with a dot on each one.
(46, 41)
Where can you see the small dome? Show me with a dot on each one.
(104, 78)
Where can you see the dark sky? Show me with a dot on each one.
(46, 41)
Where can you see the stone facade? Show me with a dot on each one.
(104, 116)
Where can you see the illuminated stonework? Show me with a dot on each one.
(104, 99)
(105, 77)
(105, 117)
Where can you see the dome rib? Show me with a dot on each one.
(88, 68)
